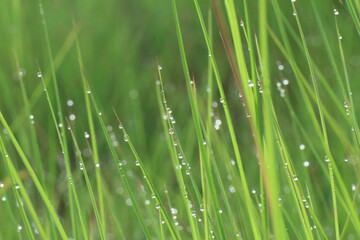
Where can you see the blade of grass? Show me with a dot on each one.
(34, 178)
(15, 187)
(196, 118)
(94, 145)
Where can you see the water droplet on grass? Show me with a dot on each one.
(39, 74)
(86, 135)
(128, 202)
(22, 72)
(70, 103)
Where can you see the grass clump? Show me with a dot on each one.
(179, 120)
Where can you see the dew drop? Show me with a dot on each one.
(86, 135)
(70, 103)
(128, 202)
(232, 189)
(22, 72)
(39, 74)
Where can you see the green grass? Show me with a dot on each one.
(179, 119)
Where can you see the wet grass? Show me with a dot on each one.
(179, 120)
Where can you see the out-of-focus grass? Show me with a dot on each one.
(179, 119)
